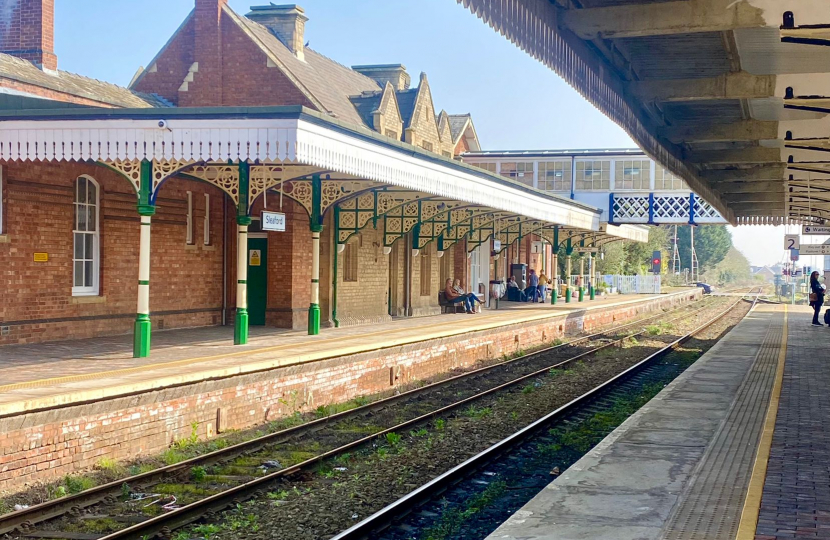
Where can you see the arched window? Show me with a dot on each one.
(86, 236)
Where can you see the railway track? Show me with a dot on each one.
(119, 498)
(497, 461)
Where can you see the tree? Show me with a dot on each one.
(734, 268)
(638, 256)
(712, 243)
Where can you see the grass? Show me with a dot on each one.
(477, 412)
(453, 520)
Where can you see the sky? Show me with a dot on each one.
(516, 102)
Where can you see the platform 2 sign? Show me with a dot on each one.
(815, 249)
(273, 221)
(792, 241)
(816, 229)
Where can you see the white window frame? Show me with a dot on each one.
(189, 237)
(207, 220)
(94, 289)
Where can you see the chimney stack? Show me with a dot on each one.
(287, 22)
(395, 74)
(27, 30)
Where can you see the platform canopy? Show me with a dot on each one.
(284, 146)
(731, 95)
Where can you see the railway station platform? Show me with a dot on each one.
(737, 448)
(91, 396)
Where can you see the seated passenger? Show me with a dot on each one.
(514, 293)
(455, 298)
(456, 285)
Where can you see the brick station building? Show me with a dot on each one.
(234, 121)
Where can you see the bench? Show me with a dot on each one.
(447, 306)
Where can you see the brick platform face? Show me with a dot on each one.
(49, 444)
(796, 499)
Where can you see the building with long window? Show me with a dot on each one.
(243, 179)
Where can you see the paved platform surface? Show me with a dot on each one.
(57, 373)
(692, 464)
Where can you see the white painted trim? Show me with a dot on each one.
(206, 228)
(277, 140)
(189, 234)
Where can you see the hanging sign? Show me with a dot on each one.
(496, 245)
(792, 241)
(273, 221)
(41, 257)
(816, 229)
(815, 249)
(255, 257)
(536, 247)
(585, 250)
(793, 255)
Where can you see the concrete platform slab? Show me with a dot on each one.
(679, 468)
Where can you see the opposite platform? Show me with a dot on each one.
(681, 467)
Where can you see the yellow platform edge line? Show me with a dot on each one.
(755, 490)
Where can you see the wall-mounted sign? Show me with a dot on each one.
(815, 229)
(273, 221)
(496, 245)
(254, 257)
(41, 257)
(815, 249)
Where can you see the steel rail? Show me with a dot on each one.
(28, 517)
(403, 506)
(165, 523)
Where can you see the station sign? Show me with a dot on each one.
(815, 249)
(586, 250)
(816, 229)
(273, 221)
(792, 241)
(496, 245)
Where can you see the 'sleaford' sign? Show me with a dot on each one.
(273, 221)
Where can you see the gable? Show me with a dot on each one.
(423, 129)
(166, 72)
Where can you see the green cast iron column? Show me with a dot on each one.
(146, 209)
(316, 229)
(240, 323)
(334, 318)
(555, 259)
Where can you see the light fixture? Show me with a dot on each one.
(415, 252)
(341, 248)
(439, 254)
(387, 250)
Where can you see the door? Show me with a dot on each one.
(257, 280)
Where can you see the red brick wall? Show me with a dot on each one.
(74, 438)
(29, 31)
(36, 301)
(233, 70)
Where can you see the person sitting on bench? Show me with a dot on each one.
(514, 293)
(456, 285)
(455, 298)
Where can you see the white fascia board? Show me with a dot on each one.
(294, 140)
(635, 233)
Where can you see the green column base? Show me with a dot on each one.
(141, 336)
(553, 294)
(581, 294)
(568, 295)
(240, 327)
(593, 292)
(313, 319)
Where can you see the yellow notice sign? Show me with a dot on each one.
(41, 257)
(255, 257)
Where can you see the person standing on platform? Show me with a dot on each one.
(816, 297)
(532, 291)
